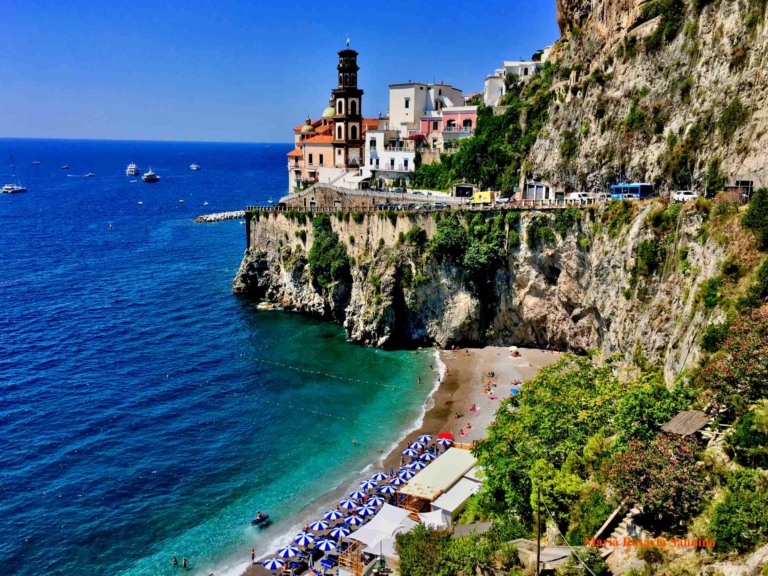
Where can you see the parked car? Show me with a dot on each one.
(601, 196)
(684, 195)
(580, 196)
(398, 190)
(440, 205)
(502, 200)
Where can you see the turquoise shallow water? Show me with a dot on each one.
(146, 411)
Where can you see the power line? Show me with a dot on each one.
(568, 543)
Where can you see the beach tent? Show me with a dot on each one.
(436, 519)
(387, 522)
(438, 477)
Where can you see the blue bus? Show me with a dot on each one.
(636, 191)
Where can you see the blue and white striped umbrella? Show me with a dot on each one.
(407, 474)
(410, 452)
(444, 441)
(387, 489)
(287, 552)
(428, 456)
(273, 564)
(348, 504)
(366, 511)
(379, 477)
(425, 438)
(304, 538)
(417, 445)
(326, 545)
(353, 520)
(319, 525)
(368, 484)
(357, 495)
(417, 465)
(375, 501)
(333, 515)
(397, 481)
(340, 532)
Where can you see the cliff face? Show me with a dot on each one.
(659, 91)
(579, 292)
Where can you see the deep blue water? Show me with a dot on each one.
(145, 411)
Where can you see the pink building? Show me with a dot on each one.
(448, 125)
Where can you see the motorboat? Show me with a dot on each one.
(181, 201)
(132, 170)
(90, 175)
(194, 166)
(64, 167)
(36, 163)
(150, 176)
(270, 201)
(205, 203)
(15, 187)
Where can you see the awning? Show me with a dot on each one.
(436, 519)
(475, 474)
(374, 155)
(457, 496)
(441, 475)
(385, 524)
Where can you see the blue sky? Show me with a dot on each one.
(237, 70)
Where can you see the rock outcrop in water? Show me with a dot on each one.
(583, 291)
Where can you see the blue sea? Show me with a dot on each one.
(145, 410)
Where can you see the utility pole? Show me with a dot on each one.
(538, 529)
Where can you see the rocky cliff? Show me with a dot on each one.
(666, 91)
(625, 280)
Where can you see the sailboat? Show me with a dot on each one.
(16, 187)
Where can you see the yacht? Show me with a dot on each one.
(194, 166)
(132, 170)
(150, 176)
(16, 187)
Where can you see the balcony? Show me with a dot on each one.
(457, 130)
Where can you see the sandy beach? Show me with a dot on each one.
(464, 384)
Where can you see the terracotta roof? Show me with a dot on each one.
(315, 123)
(687, 423)
(295, 153)
(371, 123)
(321, 139)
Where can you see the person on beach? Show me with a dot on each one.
(175, 561)
(184, 563)
(253, 556)
(419, 379)
(473, 408)
(306, 527)
(354, 442)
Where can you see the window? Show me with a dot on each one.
(310, 159)
(407, 103)
(434, 125)
(373, 143)
(405, 163)
(353, 79)
(468, 124)
(440, 92)
(392, 163)
(321, 159)
(340, 106)
(353, 133)
(353, 107)
(339, 132)
(525, 72)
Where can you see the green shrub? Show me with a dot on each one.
(649, 256)
(756, 217)
(328, 259)
(301, 235)
(635, 118)
(747, 444)
(358, 217)
(710, 292)
(392, 217)
(715, 178)
(569, 146)
(713, 337)
(450, 241)
(740, 521)
(672, 14)
(758, 290)
(566, 220)
(732, 118)
(351, 239)
(618, 215)
(416, 237)
(539, 233)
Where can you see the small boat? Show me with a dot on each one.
(133, 181)
(259, 519)
(15, 187)
(65, 167)
(150, 176)
(181, 201)
(242, 222)
(194, 166)
(132, 170)
(36, 163)
(90, 175)
(270, 201)
(140, 203)
(205, 203)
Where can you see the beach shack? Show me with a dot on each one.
(444, 477)
(374, 540)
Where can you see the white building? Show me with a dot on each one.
(409, 102)
(388, 156)
(524, 69)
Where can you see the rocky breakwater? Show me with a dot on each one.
(624, 279)
(221, 216)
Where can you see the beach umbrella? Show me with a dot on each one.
(417, 465)
(333, 515)
(444, 441)
(353, 520)
(397, 481)
(304, 538)
(366, 510)
(514, 391)
(348, 504)
(340, 532)
(417, 445)
(357, 495)
(274, 564)
(287, 552)
(428, 456)
(319, 525)
(407, 474)
(410, 452)
(379, 476)
(368, 484)
(326, 545)
(425, 438)
(387, 489)
(375, 501)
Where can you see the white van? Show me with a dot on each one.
(578, 196)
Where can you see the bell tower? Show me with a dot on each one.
(348, 117)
